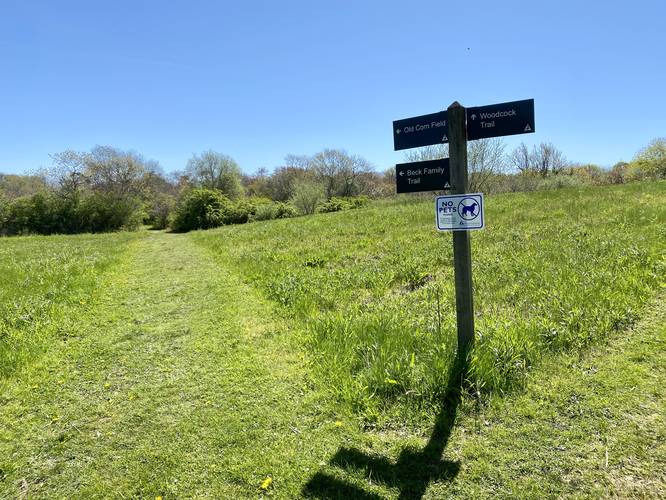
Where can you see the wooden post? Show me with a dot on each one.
(462, 253)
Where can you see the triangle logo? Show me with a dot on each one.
(446, 186)
(528, 128)
(444, 139)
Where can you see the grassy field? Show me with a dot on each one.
(373, 289)
(39, 277)
(308, 357)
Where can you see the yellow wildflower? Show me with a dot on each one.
(338, 423)
(265, 484)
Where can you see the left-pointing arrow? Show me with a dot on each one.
(397, 131)
(401, 173)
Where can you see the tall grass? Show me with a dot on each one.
(374, 291)
(39, 277)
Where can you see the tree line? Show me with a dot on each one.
(109, 189)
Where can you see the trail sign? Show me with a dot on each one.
(459, 212)
(429, 175)
(418, 131)
(495, 120)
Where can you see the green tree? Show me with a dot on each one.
(212, 170)
(650, 162)
(200, 208)
(307, 196)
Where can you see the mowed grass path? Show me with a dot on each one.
(177, 382)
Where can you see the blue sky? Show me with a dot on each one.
(258, 80)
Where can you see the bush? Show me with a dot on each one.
(358, 201)
(99, 212)
(274, 210)
(265, 211)
(4, 213)
(205, 208)
(618, 173)
(307, 196)
(239, 213)
(588, 174)
(200, 209)
(560, 181)
(334, 205)
(285, 210)
(650, 162)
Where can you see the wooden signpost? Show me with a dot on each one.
(456, 125)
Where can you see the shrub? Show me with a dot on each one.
(358, 201)
(239, 212)
(307, 196)
(200, 209)
(588, 174)
(285, 210)
(560, 181)
(274, 210)
(4, 213)
(265, 211)
(650, 162)
(99, 212)
(618, 173)
(335, 205)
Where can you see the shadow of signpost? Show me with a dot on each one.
(414, 469)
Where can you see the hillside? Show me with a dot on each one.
(314, 352)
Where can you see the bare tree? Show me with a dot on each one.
(485, 158)
(67, 174)
(543, 160)
(547, 159)
(297, 161)
(521, 159)
(433, 152)
(113, 171)
(280, 185)
(339, 172)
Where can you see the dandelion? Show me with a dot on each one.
(338, 423)
(265, 484)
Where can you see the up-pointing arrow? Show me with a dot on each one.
(473, 117)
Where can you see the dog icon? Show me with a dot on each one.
(469, 210)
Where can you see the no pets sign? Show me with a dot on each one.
(459, 212)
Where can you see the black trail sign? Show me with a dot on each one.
(429, 175)
(507, 118)
(418, 131)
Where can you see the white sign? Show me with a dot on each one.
(459, 212)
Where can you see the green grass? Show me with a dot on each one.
(373, 288)
(39, 277)
(313, 352)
